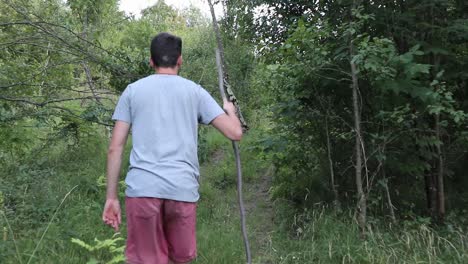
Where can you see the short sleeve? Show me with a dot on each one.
(123, 109)
(208, 108)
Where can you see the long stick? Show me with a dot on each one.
(219, 63)
(222, 76)
(235, 146)
(226, 90)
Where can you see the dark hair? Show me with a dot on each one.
(165, 50)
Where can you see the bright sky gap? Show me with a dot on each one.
(134, 7)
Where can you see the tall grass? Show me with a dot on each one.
(316, 235)
(321, 236)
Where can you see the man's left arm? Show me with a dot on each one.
(112, 213)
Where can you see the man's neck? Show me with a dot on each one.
(169, 71)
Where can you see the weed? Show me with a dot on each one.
(110, 245)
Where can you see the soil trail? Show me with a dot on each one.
(259, 210)
(260, 216)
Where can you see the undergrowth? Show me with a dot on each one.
(320, 235)
(38, 228)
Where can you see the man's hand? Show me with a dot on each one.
(111, 214)
(228, 123)
(229, 107)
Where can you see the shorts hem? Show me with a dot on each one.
(184, 260)
(129, 261)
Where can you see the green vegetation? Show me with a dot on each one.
(357, 148)
(279, 234)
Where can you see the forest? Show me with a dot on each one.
(357, 142)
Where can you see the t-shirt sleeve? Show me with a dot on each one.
(123, 109)
(208, 108)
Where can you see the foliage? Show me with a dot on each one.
(64, 63)
(320, 235)
(110, 244)
(412, 98)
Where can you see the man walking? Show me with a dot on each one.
(163, 111)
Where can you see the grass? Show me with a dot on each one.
(278, 233)
(329, 238)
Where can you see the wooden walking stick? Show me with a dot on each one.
(227, 94)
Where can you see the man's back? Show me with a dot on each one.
(164, 111)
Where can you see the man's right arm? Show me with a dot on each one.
(111, 214)
(229, 123)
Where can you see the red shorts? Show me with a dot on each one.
(159, 230)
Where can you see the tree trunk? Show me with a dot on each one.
(440, 174)
(89, 77)
(362, 203)
(336, 201)
(389, 198)
(431, 194)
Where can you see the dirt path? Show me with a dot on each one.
(260, 216)
(259, 210)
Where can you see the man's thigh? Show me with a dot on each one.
(146, 241)
(180, 230)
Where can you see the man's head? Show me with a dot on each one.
(166, 51)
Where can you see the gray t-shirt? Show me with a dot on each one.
(164, 112)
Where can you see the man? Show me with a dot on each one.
(163, 111)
